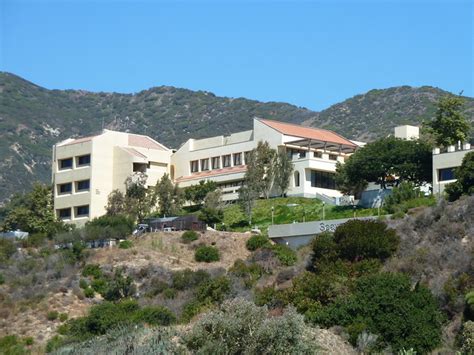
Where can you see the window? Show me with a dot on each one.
(65, 188)
(83, 185)
(237, 159)
(226, 161)
(332, 157)
(302, 154)
(204, 164)
(322, 179)
(82, 211)
(317, 154)
(216, 163)
(297, 179)
(65, 163)
(194, 166)
(139, 167)
(446, 174)
(64, 213)
(84, 160)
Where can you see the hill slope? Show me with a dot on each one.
(33, 118)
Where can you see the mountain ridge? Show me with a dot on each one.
(33, 118)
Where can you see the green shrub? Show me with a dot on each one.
(92, 270)
(206, 254)
(249, 272)
(189, 236)
(286, 255)
(2, 279)
(83, 284)
(257, 241)
(125, 244)
(187, 278)
(213, 290)
(359, 239)
(241, 327)
(170, 293)
(54, 343)
(467, 338)
(63, 317)
(190, 310)
(52, 315)
(120, 286)
(11, 345)
(89, 292)
(106, 227)
(35, 240)
(386, 303)
(99, 285)
(7, 249)
(155, 315)
(404, 192)
(28, 341)
(324, 248)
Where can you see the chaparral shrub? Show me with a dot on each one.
(189, 236)
(257, 241)
(207, 254)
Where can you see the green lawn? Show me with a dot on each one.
(303, 208)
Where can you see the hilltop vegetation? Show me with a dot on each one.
(33, 118)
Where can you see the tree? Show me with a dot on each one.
(116, 203)
(139, 200)
(465, 179)
(409, 160)
(170, 197)
(34, 213)
(212, 211)
(283, 171)
(197, 193)
(450, 125)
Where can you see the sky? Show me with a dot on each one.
(308, 53)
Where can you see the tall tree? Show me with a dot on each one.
(212, 211)
(139, 200)
(384, 158)
(116, 203)
(450, 125)
(198, 192)
(283, 171)
(170, 197)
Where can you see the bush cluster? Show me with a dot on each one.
(125, 244)
(189, 236)
(257, 241)
(249, 272)
(11, 344)
(206, 254)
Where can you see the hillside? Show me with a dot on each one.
(33, 118)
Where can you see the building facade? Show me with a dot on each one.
(86, 170)
(314, 153)
(444, 163)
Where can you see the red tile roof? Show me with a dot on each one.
(134, 152)
(204, 174)
(307, 132)
(79, 140)
(137, 140)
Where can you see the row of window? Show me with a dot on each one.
(83, 160)
(79, 211)
(80, 186)
(214, 163)
(300, 154)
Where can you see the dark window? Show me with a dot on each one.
(65, 163)
(140, 167)
(237, 159)
(84, 160)
(317, 154)
(64, 213)
(332, 157)
(83, 185)
(226, 161)
(204, 164)
(322, 179)
(82, 210)
(297, 179)
(65, 188)
(302, 154)
(446, 174)
(194, 166)
(216, 163)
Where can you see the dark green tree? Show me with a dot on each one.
(170, 197)
(212, 211)
(197, 193)
(409, 160)
(116, 203)
(465, 179)
(283, 171)
(139, 200)
(450, 125)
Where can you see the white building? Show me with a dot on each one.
(87, 170)
(314, 152)
(444, 163)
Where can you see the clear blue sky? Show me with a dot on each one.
(311, 53)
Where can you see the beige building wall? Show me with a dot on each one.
(444, 163)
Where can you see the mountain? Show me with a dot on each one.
(33, 118)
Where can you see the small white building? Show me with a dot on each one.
(444, 163)
(86, 170)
